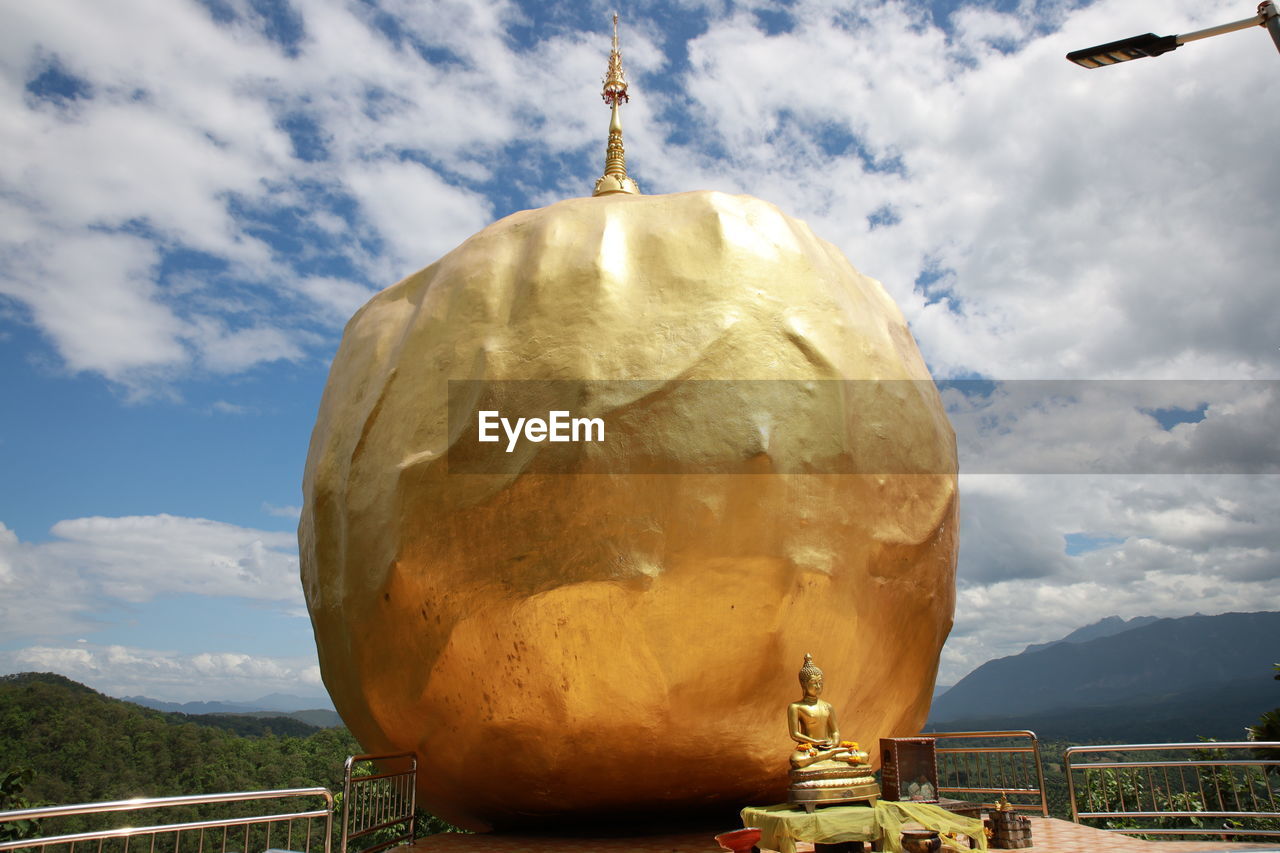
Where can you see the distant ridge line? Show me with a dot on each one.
(1107, 627)
(1216, 670)
(275, 702)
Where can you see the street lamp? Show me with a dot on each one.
(1150, 44)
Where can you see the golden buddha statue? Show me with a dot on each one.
(824, 769)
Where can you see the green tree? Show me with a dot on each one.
(1268, 729)
(12, 785)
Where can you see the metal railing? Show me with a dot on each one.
(998, 763)
(1203, 788)
(309, 830)
(382, 800)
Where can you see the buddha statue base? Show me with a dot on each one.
(831, 786)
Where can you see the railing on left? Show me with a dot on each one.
(989, 763)
(379, 800)
(306, 825)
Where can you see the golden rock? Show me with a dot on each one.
(578, 638)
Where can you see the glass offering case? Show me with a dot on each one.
(908, 769)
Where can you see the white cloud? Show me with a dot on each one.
(125, 671)
(223, 407)
(419, 215)
(225, 350)
(41, 596)
(1094, 224)
(338, 298)
(166, 139)
(59, 588)
(94, 295)
(282, 511)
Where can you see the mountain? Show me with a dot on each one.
(289, 702)
(279, 702)
(1102, 628)
(321, 718)
(235, 714)
(191, 707)
(1178, 717)
(1198, 659)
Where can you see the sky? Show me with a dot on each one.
(195, 196)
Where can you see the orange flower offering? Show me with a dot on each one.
(851, 744)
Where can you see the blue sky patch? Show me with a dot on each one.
(970, 386)
(219, 10)
(883, 216)
(307, 136)
(836, 140)
(774, 21)
(190, 261)
(1171, 417)
(51, 81)
(281, 23)
(937, 284)
(189, 624)
(832, 136)
(1083, 543)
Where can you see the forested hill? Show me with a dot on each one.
(85, 746)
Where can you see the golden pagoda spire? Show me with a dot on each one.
(615, 178)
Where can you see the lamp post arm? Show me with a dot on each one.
(1256, 20)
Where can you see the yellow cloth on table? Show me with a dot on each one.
(892, 815)
(783, 825)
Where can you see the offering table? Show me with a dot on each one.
(881, 824)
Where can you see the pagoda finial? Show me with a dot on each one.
(615, 178)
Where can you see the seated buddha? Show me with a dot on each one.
(824, 769)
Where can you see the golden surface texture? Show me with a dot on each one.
(565, 645)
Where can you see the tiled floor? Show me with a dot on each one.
(1050, 836)
(1060, 836)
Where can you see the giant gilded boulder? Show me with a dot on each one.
(581, 630)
